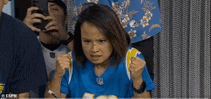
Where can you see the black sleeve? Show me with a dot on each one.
(30, 70)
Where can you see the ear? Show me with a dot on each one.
(6, 2)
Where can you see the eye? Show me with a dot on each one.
(102, 41)
(87, 41)
(54, 9)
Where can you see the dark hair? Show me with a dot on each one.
(61, 4)
(105, 18)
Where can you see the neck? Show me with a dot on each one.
(51, 47)
(49, 38)
(101, 68)
(0, 14)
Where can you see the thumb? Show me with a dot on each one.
(69, 56)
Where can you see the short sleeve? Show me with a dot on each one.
(65, 89)
(64, 85)
(30, 69)
(146, 77)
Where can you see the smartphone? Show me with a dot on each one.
(43, 9)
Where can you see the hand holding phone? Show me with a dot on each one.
(42, 9)
(33, 18)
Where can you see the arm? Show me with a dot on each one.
(137, 68)
(145, 94)
(138, 84)
(30, 70)
(23, 95)
(63, 63)
(55, 88)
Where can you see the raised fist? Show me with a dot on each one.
(64, 62)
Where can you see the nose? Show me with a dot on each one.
(94, 48)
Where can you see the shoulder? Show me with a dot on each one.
(133, 52)
(12, 21)
(16, 26)
(132, 49)
(22, 34)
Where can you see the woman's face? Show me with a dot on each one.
(95, 45)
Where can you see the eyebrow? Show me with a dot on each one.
(97, 39)
(53, 4)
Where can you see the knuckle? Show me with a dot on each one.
(29, 9)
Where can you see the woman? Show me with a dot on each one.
(103, 65)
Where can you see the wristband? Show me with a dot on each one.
(143, 87)
(52, 93)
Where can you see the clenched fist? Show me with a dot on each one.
(137, 67)
(63, 63)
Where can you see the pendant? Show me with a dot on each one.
(100, 81)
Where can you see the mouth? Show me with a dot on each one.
(95, 57)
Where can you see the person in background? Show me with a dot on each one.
(54, 39)
(103, 64)
(22, 66)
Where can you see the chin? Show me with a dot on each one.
(96, 62)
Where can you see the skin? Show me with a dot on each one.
(54, 31)
(96, 48)
(95, 45)
(2, 3)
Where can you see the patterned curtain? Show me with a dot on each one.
(71, 15)
(182, 50)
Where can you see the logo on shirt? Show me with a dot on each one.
(91, 96)
(1, 88)
(132, 53)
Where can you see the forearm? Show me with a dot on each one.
(143, 95)
(137, 84)
(54, 87)
(23, 95)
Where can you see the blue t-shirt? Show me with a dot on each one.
(22, 66)
(140, 18)
(115, 82)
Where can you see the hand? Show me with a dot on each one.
(54, 25)
(63, 63)
(137, 67)
(31, 19)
